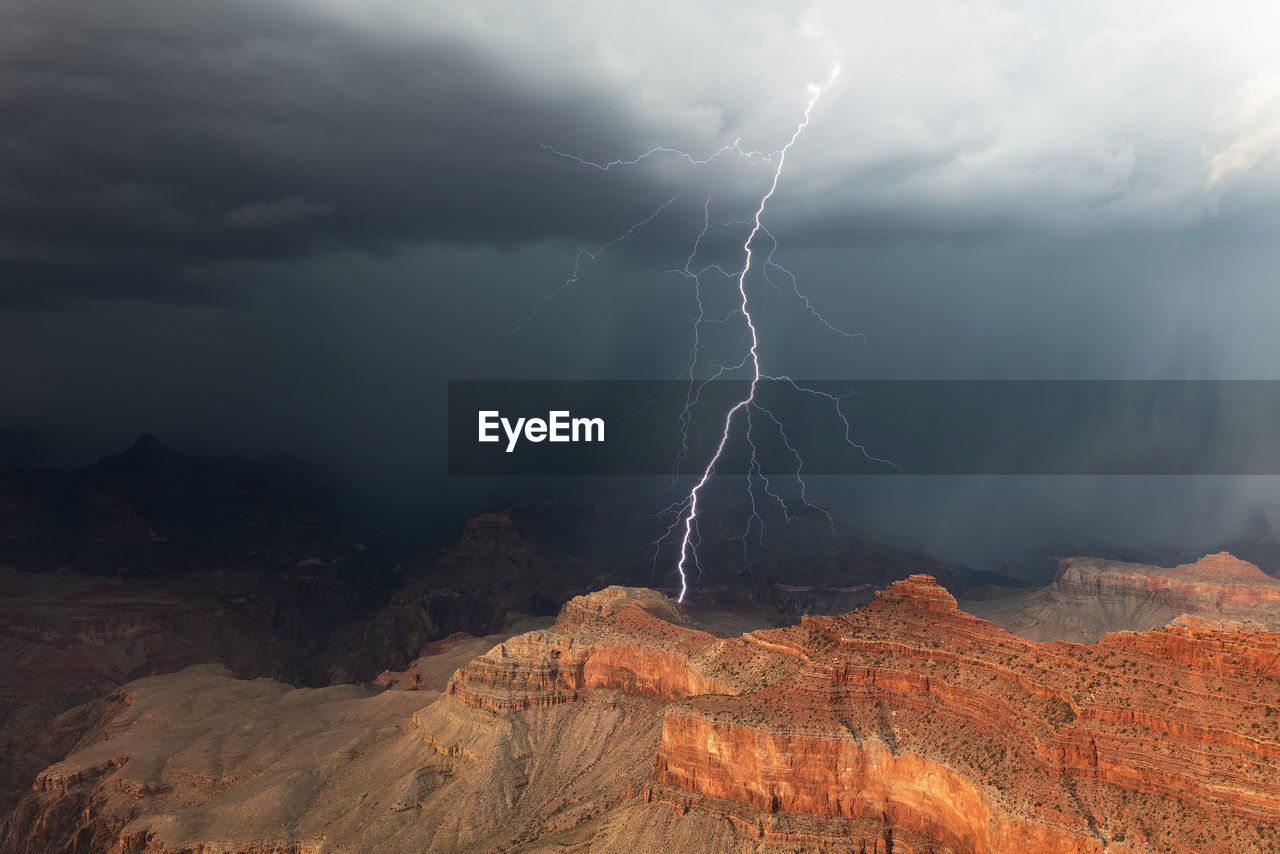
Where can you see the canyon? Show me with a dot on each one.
(907, 725)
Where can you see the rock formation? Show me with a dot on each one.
(905, 726)
(1090, 597)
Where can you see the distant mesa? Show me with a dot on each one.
(1090, 597)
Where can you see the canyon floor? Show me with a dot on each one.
(908, 725)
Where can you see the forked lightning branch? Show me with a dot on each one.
(558, 426)
(754, 262)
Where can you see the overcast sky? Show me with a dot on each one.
(253, 227)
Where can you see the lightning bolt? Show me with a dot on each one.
(759, 243)
(590, 254)
(688, 541)
(735, 146)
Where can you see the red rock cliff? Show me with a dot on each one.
(913, 710)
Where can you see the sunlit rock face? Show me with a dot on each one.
(625, 638)
(977, 738)
(907, 725)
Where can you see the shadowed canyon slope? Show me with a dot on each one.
(905, 726)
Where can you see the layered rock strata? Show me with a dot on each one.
(983, 741)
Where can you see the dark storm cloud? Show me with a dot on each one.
(280, 226)
(146, 140)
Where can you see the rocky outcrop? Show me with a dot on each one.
(581, 610)
(1091, 596)
(628, 639)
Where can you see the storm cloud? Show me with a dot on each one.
(144, 141)
(255, 227)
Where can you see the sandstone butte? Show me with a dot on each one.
(907, 726)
